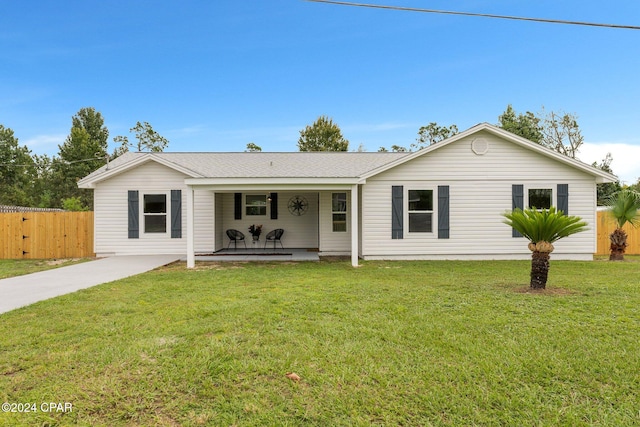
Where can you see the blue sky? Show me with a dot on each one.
(216, 75)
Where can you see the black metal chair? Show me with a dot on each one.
(234, 236)
(274, 236)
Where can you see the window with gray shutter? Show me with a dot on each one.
(396, 212)
(517, 197)
(563, 198)
(176, 214)
(443, 212)
(274, 205)
(237, 206)
(134, 214)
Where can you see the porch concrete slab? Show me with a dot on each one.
(20, 291)
(240, 255)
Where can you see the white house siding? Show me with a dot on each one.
(203, 238)
(299, 231)
(331, 242)
(480, 190)
(111, 213)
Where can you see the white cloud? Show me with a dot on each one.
(47, 144)
(626, 158)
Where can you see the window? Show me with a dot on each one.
(420, 211)
(540, 198)
(255, 204)
(339, 211)
(155, 213)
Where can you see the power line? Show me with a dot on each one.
(483, 15)
(66, 162)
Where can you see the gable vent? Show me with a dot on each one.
(480, 146)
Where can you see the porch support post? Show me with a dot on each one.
(213, 207)
(354, 225)
(191, 257)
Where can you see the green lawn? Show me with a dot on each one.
(14, 267)
(389, 343)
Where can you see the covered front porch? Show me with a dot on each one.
(317, 218)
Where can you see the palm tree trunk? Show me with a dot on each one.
(539, 269)
(618, 244)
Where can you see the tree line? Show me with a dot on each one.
(44, 181)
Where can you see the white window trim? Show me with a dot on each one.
(434, 212)
(346, 212)
(554, 193)
(167, 214)
(245, 204)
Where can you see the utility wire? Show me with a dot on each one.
(483, 15)
(63, 161)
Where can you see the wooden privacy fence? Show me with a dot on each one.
(46, 235)
(606, 225)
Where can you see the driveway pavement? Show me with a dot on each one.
(19, 291)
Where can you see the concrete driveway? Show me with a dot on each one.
(16, 292)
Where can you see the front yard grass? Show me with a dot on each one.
(18, 267)
(389, 343)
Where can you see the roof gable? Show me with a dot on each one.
(128, 161)
(600, 175)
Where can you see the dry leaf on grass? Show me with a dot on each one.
(293, 376)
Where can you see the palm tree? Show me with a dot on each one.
(542, 228)
(624, 205)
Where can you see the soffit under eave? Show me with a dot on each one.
(233, 185)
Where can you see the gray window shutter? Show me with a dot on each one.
(517, 195)
(274, 205)
(396, 212)
(237, 206)
(134, 215)
(443, 212)
(176, 214)
(563, 198)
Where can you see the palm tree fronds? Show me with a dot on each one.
(624, 206)
(547, 225)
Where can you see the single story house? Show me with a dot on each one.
(441, 202)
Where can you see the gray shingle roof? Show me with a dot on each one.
(263, 165)
(269, 165)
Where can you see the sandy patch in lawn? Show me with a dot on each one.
(61, 261)
(548, 291)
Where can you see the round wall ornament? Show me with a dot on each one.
(298, 205)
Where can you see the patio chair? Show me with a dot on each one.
(274, 236)
(234, 236)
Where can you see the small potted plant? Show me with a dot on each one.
(256, 231)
